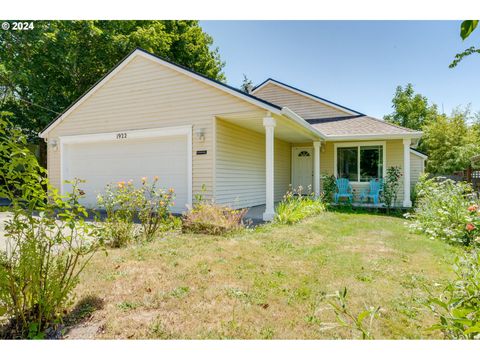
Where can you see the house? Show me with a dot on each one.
(150, 117)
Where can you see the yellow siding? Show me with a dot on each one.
(395, 158)
(416, 168)
(394, 151)
(301, 104)
(240, 166)
(145, 95)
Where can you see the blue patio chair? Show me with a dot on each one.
(344, 189)
(375, 187)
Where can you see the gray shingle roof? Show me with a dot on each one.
(357, 125)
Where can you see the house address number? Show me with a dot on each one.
(121, 136)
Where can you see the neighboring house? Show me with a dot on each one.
(150, 117)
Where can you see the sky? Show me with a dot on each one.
(357, 64)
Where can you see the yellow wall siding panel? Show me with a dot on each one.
(416, 168)
(301, 104)
(143, 95)
(240, 166)
(395, 158)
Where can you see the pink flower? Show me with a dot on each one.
(473, 207)
(470, 227)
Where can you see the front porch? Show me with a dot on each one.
(260, 156)
(253, 160)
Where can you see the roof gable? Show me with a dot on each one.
(181, 69)
(305, 104)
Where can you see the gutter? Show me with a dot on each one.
(412, 135)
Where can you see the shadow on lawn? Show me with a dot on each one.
(83, 310)
(350, 209)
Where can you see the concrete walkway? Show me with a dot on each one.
(254, 214)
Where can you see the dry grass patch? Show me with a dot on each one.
(268, 283)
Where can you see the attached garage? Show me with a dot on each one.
(101, 159)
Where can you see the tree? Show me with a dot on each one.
(44, 70)
(247, 84)
(411, 110)
(466, 29)
(450, 142)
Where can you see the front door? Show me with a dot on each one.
(302, 174)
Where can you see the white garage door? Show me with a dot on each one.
(101, 163)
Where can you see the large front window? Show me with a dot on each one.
(360, 163)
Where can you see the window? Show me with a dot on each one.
(303, 154)
(360, 163)
(347, 159)
(371, 162)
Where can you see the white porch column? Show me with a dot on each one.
(316, 168)
(407, 202)
(269, 124)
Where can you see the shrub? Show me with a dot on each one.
(296, 207)
(329, 186)
(124, 203)
(120, 203)
(445, 210)
(153, 204)
(206, 217)
(458, 307)
(48, 243)
(391, 185)
(212, 219)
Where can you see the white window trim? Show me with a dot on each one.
(359, 144)
(131, 134)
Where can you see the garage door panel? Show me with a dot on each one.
(103, 163)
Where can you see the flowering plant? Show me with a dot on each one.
(119, 203)
(297, 206)
(154, 205)
(446, 210)
(124, 203)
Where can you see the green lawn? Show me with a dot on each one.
(267, 283)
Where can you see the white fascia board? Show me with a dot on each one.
(327, 103)
(168, 65)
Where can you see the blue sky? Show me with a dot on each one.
(354, 63)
